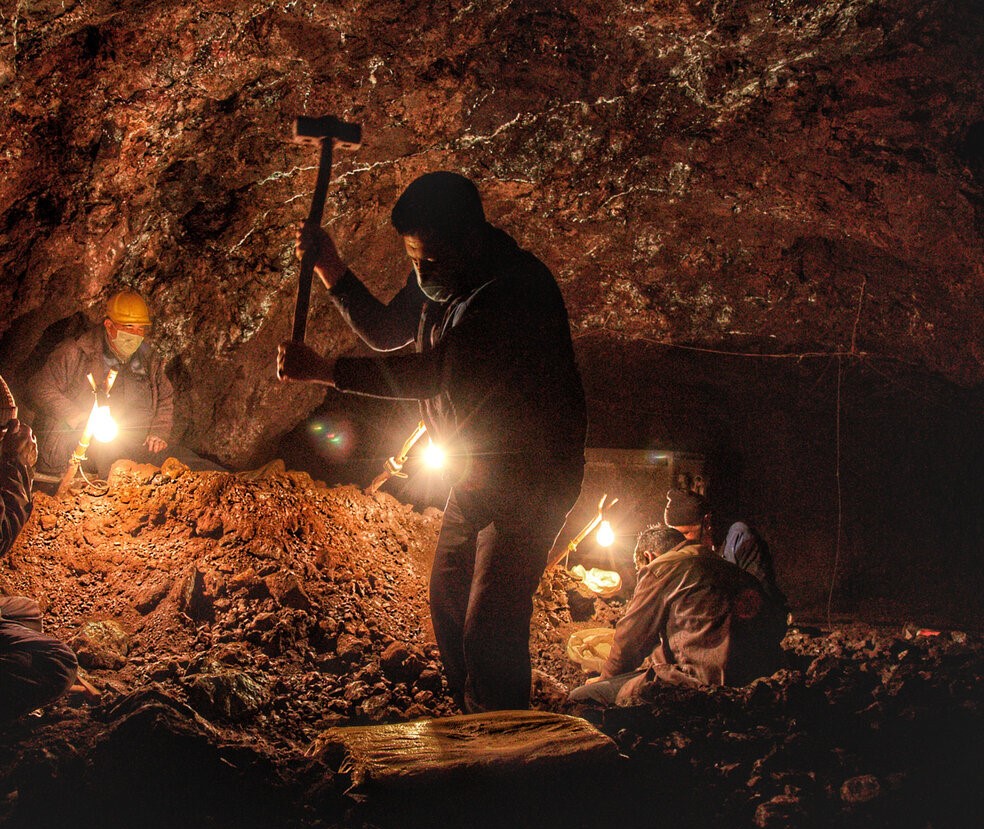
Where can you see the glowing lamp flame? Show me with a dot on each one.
(434, 456)
(104, 428)
(606, 535)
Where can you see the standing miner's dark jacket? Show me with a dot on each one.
(494, 368)
(695, 619)
(141, 401)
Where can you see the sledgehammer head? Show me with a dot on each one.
(315, 130)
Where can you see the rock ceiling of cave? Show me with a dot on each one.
(745, 176)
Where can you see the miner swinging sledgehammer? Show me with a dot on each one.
(494, 373)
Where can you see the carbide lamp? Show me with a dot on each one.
(104, 428)
(605, 531)
(605, 535)
(95, 419)
(433, 455)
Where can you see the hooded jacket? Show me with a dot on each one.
(493, 368)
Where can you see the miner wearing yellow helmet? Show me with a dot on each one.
(141, 399)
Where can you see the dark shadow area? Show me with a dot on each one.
(348, 439)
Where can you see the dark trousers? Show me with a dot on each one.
(34, 669)
(491, 553)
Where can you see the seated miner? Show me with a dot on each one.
(35, 669)
(141, 400)
(743, 546)
(494, 373)
(694, 619)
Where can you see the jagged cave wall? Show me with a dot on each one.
(757, 177)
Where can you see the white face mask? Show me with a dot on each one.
(126, 345)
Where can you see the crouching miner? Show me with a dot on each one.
(694, 619)
(141, 399)
(34, 668)
(495, 375)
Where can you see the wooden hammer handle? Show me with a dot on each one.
(310, 256)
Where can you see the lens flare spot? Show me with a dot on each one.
(329, 438)
(104, 428)
(434, 456)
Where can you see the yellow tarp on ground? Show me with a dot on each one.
(496, 746)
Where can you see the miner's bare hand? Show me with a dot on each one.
(328, 265)
(295, 361)
(155, 444)
(19, 443)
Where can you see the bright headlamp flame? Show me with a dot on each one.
(104, 428)
(434, 456)
(606, 535)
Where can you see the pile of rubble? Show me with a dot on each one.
(225, 621)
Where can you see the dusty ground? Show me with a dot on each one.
(228, 619)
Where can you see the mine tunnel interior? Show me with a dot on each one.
(764, 220)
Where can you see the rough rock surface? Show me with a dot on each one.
(230, 620)
(750, 175)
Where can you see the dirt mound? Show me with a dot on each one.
(236, 589)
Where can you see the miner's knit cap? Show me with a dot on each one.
(442, 204)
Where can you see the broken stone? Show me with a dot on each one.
(581, 607)
(860, 789)
(151, 595)
(349, 647)
(193, 599)
(209, 525)
(172, 469)
(135, 523)
(400, 664)
(101, 644)
(429, 680)
(226, 694)
(263, 622)
(780, 812)
(286, 590)
(250, 583)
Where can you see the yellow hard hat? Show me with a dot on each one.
(128, 308)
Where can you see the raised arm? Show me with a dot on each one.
(382, 326)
